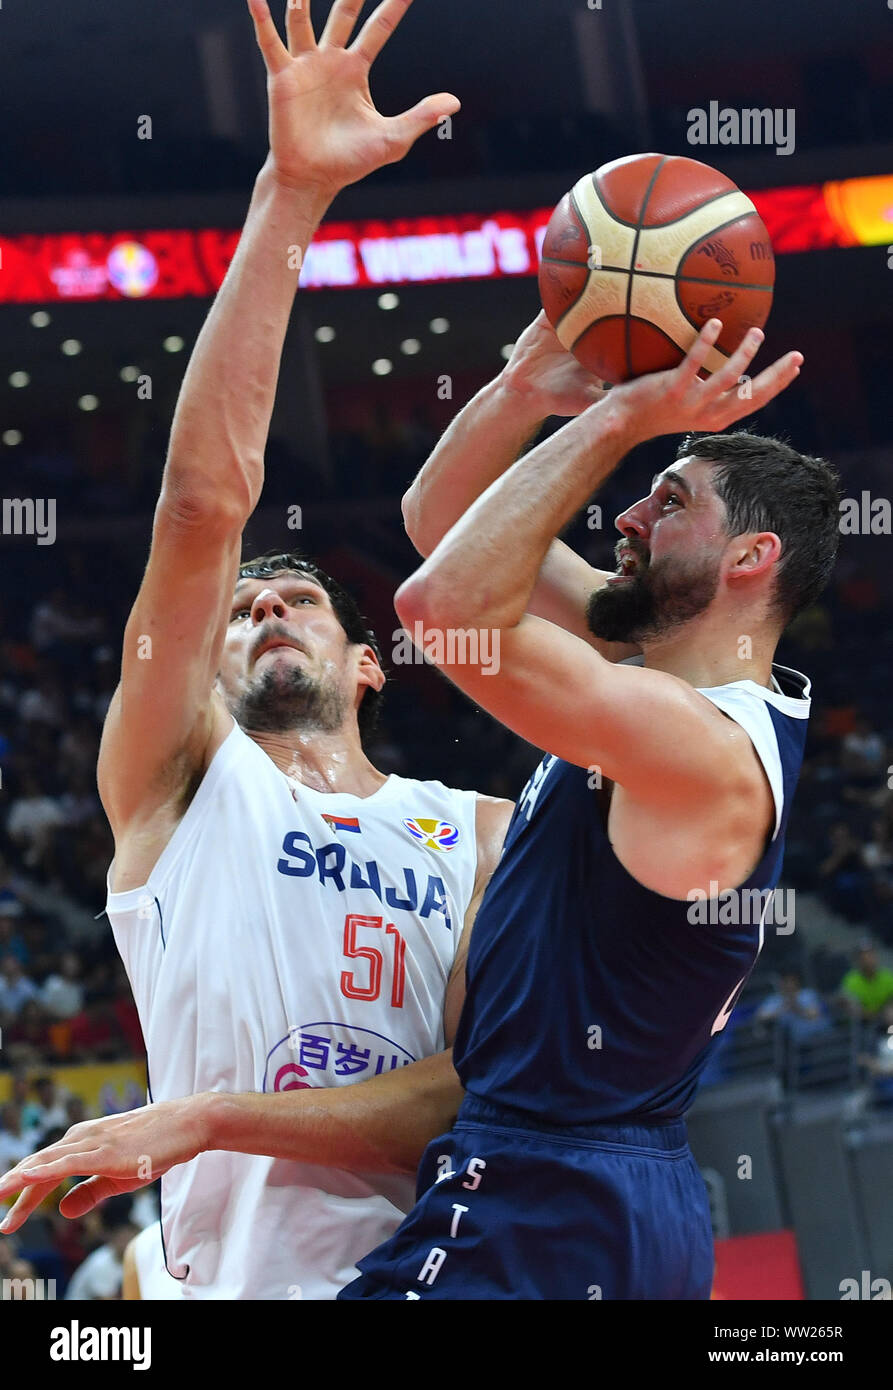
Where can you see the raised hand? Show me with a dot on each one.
(679, 401)
(325, 131)
(542, 371)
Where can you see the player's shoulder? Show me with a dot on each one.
(492, 817)
(492, 808)
(433, 787)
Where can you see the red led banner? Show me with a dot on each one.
(131, 264)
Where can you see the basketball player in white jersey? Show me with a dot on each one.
(292, 921)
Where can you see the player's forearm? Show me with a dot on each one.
(483, 572)
(220, 426)
(376, 1126)
(484, 440)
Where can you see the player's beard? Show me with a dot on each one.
(656, 600)
(281, 701)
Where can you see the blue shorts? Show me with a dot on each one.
(507, 1209)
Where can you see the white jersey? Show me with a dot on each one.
(289, 938)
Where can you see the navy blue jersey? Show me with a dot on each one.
(591, 998)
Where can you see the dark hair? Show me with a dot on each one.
(767, 486)
(346, 610)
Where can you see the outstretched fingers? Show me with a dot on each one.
(773, 380)
(340, 23)
(273, 50)
(697, 355)
(298, 26)
(378, 28)
(728, 376)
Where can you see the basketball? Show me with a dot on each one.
(639, 255)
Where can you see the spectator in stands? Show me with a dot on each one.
(79, 746)
(62, 994)
(12, 942)
(15, 1139)
(799, 1011)
(15, 988)
(42, 946)
(10, 906)
(95, 1032)
(27, 1039)
(60, 619)
(877, 796)
(44, 701)
(126, 1015)
(21, 1089)
(844, 873)
(101, 1274)
(863, 753)
(12, 1267)
(80, 857)
(867, 989)
(50, 1110)
(877, 852)
(21, 1093)
(75, 1111)
(80, 801)
(32, 817)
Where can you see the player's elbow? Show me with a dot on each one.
(446, 594)
(424, 602)
(409, 599)
(412, 520)
(189, 505)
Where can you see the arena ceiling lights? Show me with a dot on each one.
(73, 267)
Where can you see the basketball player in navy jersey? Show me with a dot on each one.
(595, 984)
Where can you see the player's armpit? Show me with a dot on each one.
(492, 816)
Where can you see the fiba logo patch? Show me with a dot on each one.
(132, 269)
(433, 834)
